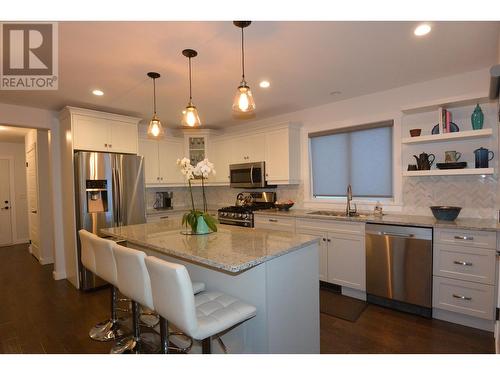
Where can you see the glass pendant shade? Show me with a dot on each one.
(243, 100)
(155, 130)
(190, 116)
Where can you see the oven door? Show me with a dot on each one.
(248, 175)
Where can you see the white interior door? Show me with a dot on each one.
(32, 180)
(5, 204)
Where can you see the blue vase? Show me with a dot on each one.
(201, 226)
(477, 118)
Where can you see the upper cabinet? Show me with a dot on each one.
(160, 161)
(248, 148)
(101, 131)
(283, 155)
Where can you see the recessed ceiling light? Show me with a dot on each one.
(3, 127)
(264, 84)
(97, 92)
(422, 29)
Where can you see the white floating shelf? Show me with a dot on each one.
(449, 172)
(457, 101)
(456, 136)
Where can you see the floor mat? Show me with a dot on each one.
(339, 306)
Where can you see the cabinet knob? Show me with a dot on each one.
(161, 178)
(105, 145)
(110, 145)
(329, 240)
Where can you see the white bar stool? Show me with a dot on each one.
(133, 282)
(202, 316)
(97, 257)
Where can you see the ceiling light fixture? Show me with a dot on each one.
(190, 115)
(243, 101)
(264, 84)
(98, 92)
(155, 130)
(422, 29)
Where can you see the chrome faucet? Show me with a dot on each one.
(348, 210)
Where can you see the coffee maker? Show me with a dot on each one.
(163, 200)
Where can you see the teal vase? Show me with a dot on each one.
(477, 118)
(201, 226)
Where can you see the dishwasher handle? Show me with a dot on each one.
(391, 234)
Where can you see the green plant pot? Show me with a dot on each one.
(201, 226)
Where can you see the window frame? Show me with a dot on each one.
(310, 201)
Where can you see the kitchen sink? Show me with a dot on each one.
(335, 213)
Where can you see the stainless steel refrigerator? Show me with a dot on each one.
(109, 193)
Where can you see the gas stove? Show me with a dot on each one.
(242, 213)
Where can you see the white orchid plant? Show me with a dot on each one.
(202, 171)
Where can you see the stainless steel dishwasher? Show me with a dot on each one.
(399, 267)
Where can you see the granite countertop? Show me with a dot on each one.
(395, 219)
(162, 211)
(231, 248)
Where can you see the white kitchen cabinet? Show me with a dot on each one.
(342, 249)
(248, 148)
(346, 260)
(160, 159)
(220, 151)
(286, 224)
(282, 156)
(98, 131)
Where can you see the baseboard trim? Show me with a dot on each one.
(21, 241)
(354, 293)
(58, 275)
(465, 320)
(45, 261)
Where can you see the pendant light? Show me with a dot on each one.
(243, 100)
(190, 115)
(155, 130)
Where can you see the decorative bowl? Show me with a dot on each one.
(447, 213)
(415, 132)
(283, 206)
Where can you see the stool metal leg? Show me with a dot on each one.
(110, 329)
(164, 335)
(206, 346)
(129, 343)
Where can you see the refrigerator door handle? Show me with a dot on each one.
(116, 197)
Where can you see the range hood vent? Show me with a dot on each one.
(494, 81)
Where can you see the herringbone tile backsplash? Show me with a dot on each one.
(475, 194)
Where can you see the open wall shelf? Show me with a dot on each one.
(457, 101)
(450, 172)
(456, 136)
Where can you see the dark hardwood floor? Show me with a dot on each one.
(40, 315)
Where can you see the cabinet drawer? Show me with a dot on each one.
(275, 222)
(483, 239)
(465, 263)
(464, 297)
(332, 226)
(159, 217)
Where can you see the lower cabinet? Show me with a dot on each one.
(157, 217)
(342, 251)
(286, 224)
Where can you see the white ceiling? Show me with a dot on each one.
(12, 134)
(304, 61)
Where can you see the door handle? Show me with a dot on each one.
(396, 234)
(34, 211)
(462, 263)
(273, 220)
(462, 297)
(251, 174)
(5, 208)
(465, 238)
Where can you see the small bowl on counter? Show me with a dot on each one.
(284, 206)
(446, 213)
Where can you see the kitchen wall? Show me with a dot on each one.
(477, 195)
(16, 151)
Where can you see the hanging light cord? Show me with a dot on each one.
(242, 55)
(190, 93)
(154, 96)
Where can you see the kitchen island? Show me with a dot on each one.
(277, 272)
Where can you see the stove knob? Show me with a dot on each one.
(239, 215)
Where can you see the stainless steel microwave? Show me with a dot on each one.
(248, 175)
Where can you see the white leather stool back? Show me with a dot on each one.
(87, 251)
(173, 293)
(132, 275)
(104, 259)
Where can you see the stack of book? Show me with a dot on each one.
(444, 120)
